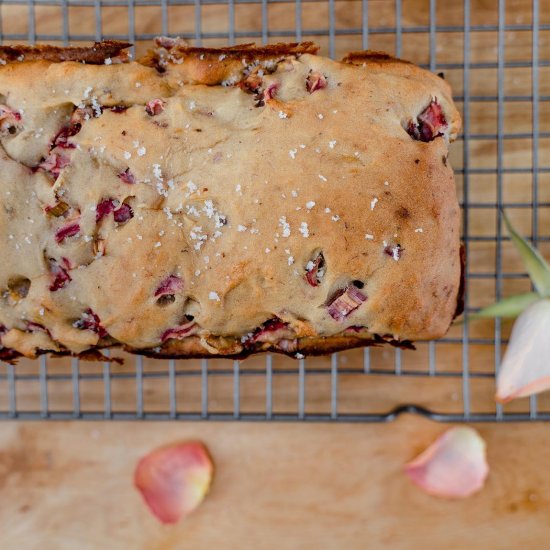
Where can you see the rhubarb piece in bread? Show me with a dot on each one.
(221, 202)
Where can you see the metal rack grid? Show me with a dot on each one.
(451, 379)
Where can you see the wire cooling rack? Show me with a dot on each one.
(496, 55)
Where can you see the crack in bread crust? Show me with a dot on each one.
(371, 56)
(179, 49)
(94, 55)
(212, 66)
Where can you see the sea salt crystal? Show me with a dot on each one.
(373, 203)
(208, 208)
(285, 225)
(157, 172)
(213, 296)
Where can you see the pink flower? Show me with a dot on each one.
(454, 466)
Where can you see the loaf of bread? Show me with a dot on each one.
(220, 202)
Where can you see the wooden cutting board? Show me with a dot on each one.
(68, 485)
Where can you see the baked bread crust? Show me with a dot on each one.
(244, 199)
(96, 54)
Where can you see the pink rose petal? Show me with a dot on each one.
(525, 369)
(454, 466)
(174, 480)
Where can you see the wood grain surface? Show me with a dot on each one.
(68, 485)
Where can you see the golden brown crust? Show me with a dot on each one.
(94, 55)
(180, 49)
(371, 56)
(191, 348)
(211, 66)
